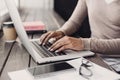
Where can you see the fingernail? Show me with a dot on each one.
(51, 49)
(56, 51)
(40, 43)
(43, 43)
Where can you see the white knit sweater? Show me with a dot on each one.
(104, 18)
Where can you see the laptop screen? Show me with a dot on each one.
(14, 14)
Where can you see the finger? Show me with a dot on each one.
(57, 46)
(57, 42)
(48, 37)
(42, 38)
(52, 40)
(65, 47)
(61, 41)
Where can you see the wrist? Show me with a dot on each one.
(86, 43)
(61, 33)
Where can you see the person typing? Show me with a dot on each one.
(104, 22)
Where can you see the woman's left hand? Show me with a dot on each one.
(67, 43)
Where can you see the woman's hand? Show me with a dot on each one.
(66, 43)
(51, 34)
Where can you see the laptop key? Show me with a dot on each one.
(40, 49)
(50, 53)
(46, 50)
(39, 52)
(55, 53)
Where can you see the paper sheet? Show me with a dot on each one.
(99, 73)
(20, 75)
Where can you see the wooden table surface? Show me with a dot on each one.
(14, 57)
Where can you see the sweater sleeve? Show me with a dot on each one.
(105, 46)
(76, 19)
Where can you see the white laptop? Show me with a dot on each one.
(39, 53)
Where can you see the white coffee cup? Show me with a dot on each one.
(9, 32)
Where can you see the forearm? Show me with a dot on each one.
(105, 46)
(69, 27)
(76, 19)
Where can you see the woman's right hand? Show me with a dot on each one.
(51, 34)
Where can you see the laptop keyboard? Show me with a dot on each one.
(45, 51)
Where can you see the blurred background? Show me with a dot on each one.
(63, 7)
(47, 4)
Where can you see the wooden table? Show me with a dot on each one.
(14, 57)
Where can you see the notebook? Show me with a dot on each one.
(35, 27)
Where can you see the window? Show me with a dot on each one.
(4, 11)
(46, 4)
(3, 8)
